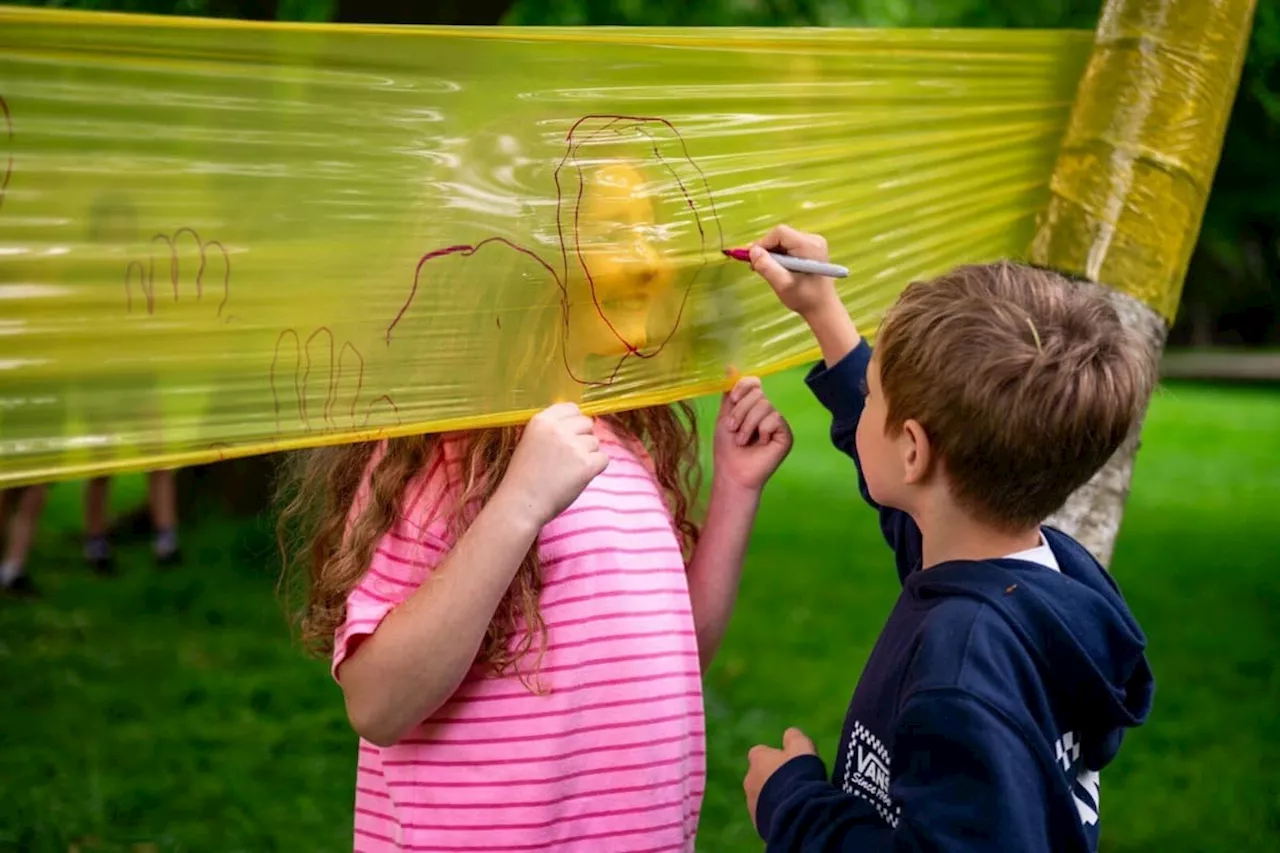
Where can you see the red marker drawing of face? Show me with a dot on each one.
(622, 273)
(7, 130)
(633, 239)
(636, 226)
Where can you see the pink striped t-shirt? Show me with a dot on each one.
(612, 757)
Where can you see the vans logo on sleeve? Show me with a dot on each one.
(1084, 783)
(866, 773)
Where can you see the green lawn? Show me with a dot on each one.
(170, 711)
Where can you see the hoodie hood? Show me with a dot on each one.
(1077, 627)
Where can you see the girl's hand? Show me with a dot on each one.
(558, 456)
(751, 437)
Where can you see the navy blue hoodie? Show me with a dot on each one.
(996, 692)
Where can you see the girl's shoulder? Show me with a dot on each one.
(618, 442)
(428, 496)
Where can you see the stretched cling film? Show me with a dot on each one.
(223, 238)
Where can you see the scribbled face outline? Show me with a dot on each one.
(625, 276)
(8, 136)
(620, 184)
(624, 290)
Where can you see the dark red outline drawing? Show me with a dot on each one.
(465, 251)
(302, 374)
(306, 375)
(147, 274)
(275, 394)
(8, 129)
(561, 277)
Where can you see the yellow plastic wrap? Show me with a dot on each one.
(223, 238)
(1138, 158)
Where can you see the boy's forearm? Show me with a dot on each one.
(421, 652)
(716, 567)
(833, 328)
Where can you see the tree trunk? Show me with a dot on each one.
(1093, 514)
(1130, 185)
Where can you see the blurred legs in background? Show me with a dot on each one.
(162, 500)
(28, 503)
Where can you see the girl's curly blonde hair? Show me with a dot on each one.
(326, 553)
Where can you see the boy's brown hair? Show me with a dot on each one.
(1025, 381)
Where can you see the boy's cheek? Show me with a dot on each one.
(873, 484)
(869, 464)
(863, 447)
(871, 455)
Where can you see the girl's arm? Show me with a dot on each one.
(716, 567)
(416, 658)
(751, 440)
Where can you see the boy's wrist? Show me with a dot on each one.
(822, 306)
(797, 770)
(832, 327)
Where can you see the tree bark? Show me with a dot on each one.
(1093, 514)
(1129, 189)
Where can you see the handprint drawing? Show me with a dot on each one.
(182, 248)
(325, 384)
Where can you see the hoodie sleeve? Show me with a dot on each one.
(969, 784)
(840, 389)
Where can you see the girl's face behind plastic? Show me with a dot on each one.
(621, 277)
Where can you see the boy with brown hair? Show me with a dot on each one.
(1010, 666)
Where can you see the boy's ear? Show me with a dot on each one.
(917, 453)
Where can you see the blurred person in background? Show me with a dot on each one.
(113, 227)
(163, 503)
(19, 529)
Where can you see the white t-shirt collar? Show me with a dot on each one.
(1041, 555)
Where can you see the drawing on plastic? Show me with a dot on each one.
(578, 283)
(8, 135)
(145, 274)
(331, 374)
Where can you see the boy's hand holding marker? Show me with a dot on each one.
(813, 297)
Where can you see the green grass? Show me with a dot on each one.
(170, 711)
